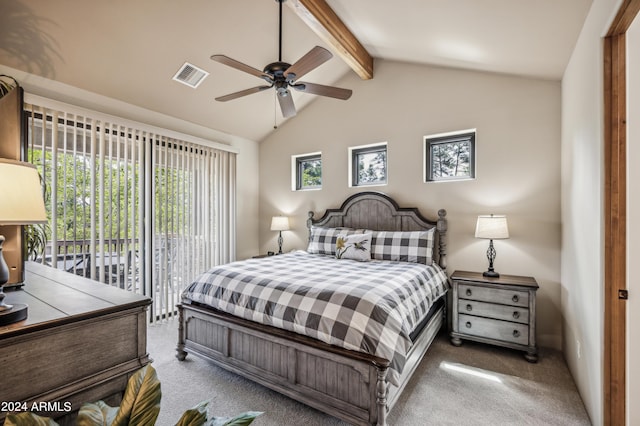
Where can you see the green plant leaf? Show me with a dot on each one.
(28, 419)
(36, 240)
(196, 416)
(141, 400)
(242, 419)
(90, 414)
(96, 414)
(5, 87)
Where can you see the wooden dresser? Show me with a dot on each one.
(80, 343)
(500, 311)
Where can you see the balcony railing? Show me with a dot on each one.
(114, 262)
(120, 263)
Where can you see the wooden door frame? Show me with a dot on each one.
(615, 213)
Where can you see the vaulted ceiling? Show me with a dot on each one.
(130, 50)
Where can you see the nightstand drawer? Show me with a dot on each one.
(491, 310)
(494, 295)
(494, 329)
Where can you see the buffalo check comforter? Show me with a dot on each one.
(370, 307)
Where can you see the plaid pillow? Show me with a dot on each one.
(323, 240)
(405, 246)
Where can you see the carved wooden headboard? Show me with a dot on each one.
(379, 212)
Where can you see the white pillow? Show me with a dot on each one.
(323, 240)
(354, 246)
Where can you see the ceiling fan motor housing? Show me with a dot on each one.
(277, 69)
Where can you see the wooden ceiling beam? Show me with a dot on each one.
(319, 16)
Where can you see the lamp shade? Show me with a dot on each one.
(21, 201)
(492, 227)
(279, 223)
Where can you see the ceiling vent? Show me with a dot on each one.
(190, 75)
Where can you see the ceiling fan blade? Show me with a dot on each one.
(242, 67)
(242, 93)
(314, 58)
(286, 104)
(319, 89)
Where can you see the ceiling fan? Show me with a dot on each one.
(283, 76)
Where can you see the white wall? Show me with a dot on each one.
(582, 209)
(633, 224)
(247, 159)
(518, 165)
(247, 198)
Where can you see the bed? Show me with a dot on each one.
(352, 377)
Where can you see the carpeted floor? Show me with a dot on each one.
(469, 385)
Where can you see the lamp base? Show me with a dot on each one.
(491, 255)
(280, 243)
(17, 313)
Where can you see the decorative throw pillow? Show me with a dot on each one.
(323, 240)
(403, 246)
(355, 246)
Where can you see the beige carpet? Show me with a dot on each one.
(469, 385)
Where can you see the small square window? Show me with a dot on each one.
(450, 156)
(307, 171)
(369, 165)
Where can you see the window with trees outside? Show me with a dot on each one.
(130, 205)
(450, 156)
(307, 171)
(368, 165)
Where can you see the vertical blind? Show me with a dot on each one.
(131, 205)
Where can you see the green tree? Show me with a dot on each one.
(372, 167)
(312, 173)
(451, 159)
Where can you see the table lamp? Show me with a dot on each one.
(492, 227)
(279, 223)
(21, 203)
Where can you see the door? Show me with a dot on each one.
(633, 225)
(619, 388)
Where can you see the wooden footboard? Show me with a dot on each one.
(345, 384)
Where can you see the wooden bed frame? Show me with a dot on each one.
(346, 384)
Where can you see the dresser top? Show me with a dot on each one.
(515, 280)
(56, 297)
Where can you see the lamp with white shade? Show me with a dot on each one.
(492, 227)
(280, 223)
(21, 203)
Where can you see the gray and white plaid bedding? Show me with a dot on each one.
(370, 307)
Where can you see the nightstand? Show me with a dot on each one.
(499, 311)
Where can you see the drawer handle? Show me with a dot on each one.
(468, 292)
(516, 333)
(468, 324)
(469, 307)
(516, 314)
(515, 298)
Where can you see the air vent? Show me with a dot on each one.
(190, 75)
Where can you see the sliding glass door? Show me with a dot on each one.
(130, 206)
